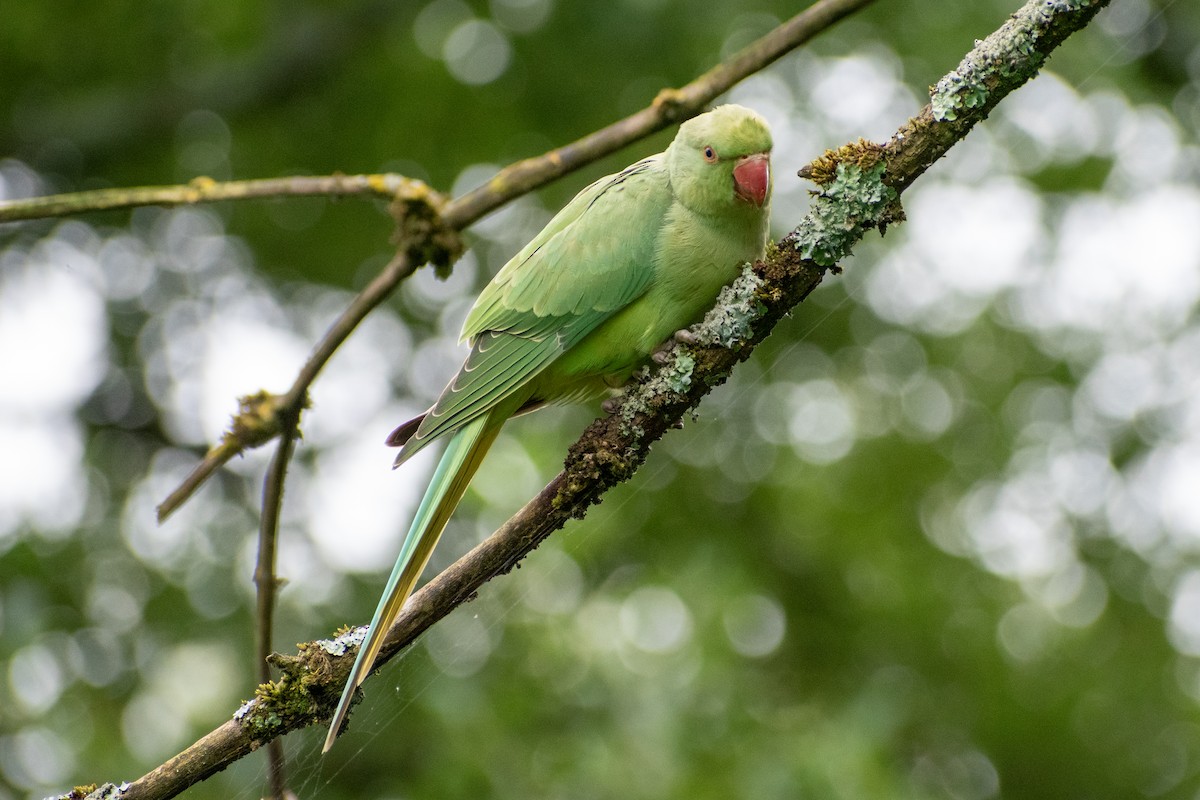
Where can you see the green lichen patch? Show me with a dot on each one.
(1010, 55)
(738, 306)
(106, 791)
(277, 705)
(299, 694)
(857, 199)
(863, 154)
(344, 638)
(957, 92)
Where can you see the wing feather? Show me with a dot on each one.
(489, 375)
(588, 263)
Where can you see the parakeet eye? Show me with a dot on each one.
(710, 155)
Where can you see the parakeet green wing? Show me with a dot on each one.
(578, 272)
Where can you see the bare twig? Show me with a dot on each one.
(863, 184)
(205, 190)
(213, 460)
(267, 584)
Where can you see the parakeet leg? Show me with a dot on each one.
(663, 351)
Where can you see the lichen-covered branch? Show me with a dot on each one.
(993, 68)
(863, 181)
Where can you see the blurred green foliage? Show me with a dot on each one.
(937, 539)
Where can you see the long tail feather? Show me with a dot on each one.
(454, 472)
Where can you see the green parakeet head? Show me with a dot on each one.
(720, 162)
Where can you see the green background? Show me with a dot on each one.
(937, 539)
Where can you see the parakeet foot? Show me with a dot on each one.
(663, 352)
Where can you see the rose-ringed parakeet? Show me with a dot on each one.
(633, 258)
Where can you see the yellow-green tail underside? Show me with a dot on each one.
(463, 455)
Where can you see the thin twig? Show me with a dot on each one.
(213, 460)
(399, 268)
(267, 584)
(671, 106)
(613, 447)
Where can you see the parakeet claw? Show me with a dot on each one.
(611, 405)
(663, 353)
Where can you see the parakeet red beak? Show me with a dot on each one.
(752, 178)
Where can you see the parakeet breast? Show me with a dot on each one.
(695, 256)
